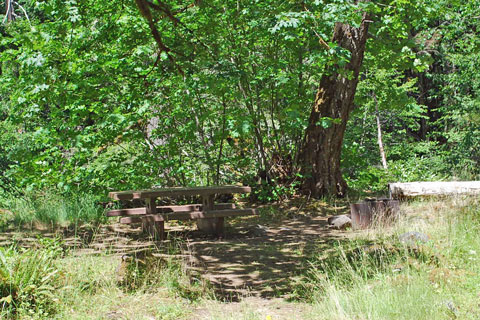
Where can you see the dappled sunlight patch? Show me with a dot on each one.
(344, 274)
(301, 207)
(149, 273)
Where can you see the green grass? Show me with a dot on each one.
(369, 276)
(50, 210)
(48, 282)
(389, 280)
(142, 286)
(101, 282)
(28, 280)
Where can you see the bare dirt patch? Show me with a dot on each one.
(260, 260)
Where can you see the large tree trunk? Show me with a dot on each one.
(320, 154)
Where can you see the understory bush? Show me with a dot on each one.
(29, 279)
(376, 179)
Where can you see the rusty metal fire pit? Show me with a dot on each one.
(372, 211)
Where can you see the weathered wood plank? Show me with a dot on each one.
(151, 206)
(155, 229)
(219, 226)
(208, 225)
(188, 215)
(436, 188)
(166, 209)
(127, 212)
(177, 192)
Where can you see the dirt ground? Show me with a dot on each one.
(255, 264)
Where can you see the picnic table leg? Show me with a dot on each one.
(208, 225)
(160, 230)
(156, 229)
(212, 225)
(151, 206)
(207, 202)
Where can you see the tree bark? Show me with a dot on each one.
(379, 134)
(8, 10)
(321, 149)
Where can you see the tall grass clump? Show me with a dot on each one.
(149, 271)
(376, 276)
(29, 279)
(140, 285)
(50, 209)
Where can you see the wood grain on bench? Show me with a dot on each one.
(166, 209)
(188, 215)
(209, 216)
(176, 192)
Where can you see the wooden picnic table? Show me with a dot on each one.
(209, 216)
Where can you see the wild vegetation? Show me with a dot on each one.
(367, 275)
(90, 102)
(305, 101)
(379, 277)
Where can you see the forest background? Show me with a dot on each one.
(90, 101)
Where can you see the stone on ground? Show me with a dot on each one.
(340, 222)
(413, 237)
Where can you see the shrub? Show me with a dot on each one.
(28, 280)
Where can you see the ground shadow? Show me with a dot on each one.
(261, 260)
(258, 256)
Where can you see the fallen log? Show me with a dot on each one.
(435, 188)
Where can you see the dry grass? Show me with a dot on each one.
(434, 280)
(367, 275)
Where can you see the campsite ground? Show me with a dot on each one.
(283, 264)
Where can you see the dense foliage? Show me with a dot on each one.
(89, 102)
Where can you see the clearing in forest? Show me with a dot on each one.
(283, 264)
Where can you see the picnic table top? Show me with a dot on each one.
(178, 191)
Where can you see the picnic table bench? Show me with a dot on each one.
(208, 215)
